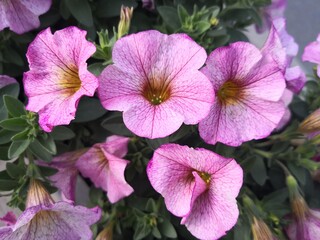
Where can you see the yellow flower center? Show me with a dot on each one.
(229, 93)
(70, 81)
(156, 92)
(206, 177)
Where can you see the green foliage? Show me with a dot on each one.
(143, 215)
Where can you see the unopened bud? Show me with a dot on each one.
(260, 230)
(38, 195)
(311, 124)
(214, 21)
(106, 233)
(298, 204)
(125, 19)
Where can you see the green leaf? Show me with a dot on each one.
(48, 143)
(202, 26)
(11, 89)
(242, 231)
(61, 133)
(114, 124)
(14, 124)
(6, 182)
(81, 10)
(10, 55)
(40, 151)
(299, 173)
(182, 13)
(155, 143)
(170, 17)
(15, 171)
(17, 147)
(258, 171)
(275, 197)
(4, 153)
(156, 233)
(89, 109)
(167, 229)
(24, 135)
(47, 171)
(96, 68)
(14, 106)
(6, 135)
(299, 108)
(141, 231)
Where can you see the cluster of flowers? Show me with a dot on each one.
(239, 94)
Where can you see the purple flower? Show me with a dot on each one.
(156, 83)
(306, 228)
(286, 99)
(6, 80)
(58, 75)
(273, 11)
(66, 177)
(22, 16)
(45, 219)
(248, 86)
(305, 222)
(9, 219)
(312, 53)
(148, 4)
(103, 163)
(295, 79)
(287, 41)
(199, 186)
(282, 48)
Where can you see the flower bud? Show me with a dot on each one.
(125, 19)
(311, 124)
(298, 204)
(106, 233)
(260, 230)
(38, 195)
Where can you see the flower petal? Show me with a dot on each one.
(58, 75)
(295, 79)
(150, 121)
(233, 124)
(21, 15)
(6, 80)
(105, 170)
(149, 67)
(117, 145)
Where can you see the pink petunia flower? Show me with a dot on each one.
(286, 99)
(268, 14)
(103, 163)
(10, 218)
(46, 219)
(248, 86)
(199, 186)
(156, 83)
(295, 79)
(287, 41)
(66, 177)
(22, 16)
(305, 222)
(58, 75)
(306, 228)
(282, 48)
(312, 53)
